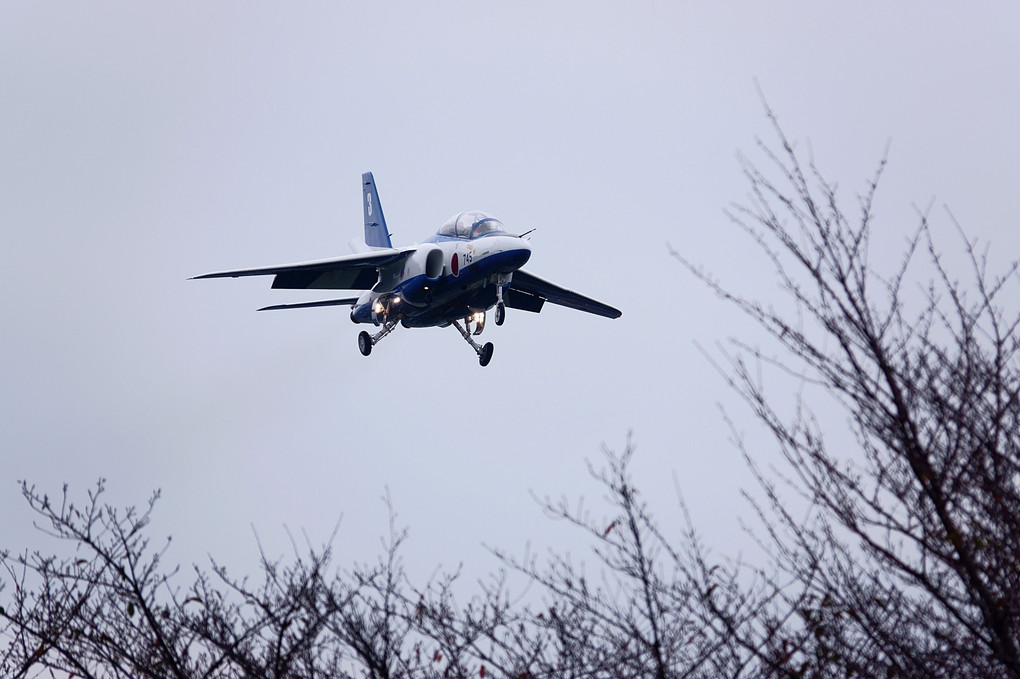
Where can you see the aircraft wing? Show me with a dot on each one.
(350, 272)
(529, 292)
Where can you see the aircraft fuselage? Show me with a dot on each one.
(446, 279)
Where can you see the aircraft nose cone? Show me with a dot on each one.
(521, 252)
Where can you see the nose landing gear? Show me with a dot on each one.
(479, 319)
(501, 281)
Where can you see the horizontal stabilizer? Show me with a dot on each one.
(349, 301)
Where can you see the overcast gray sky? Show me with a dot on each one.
(141, 144)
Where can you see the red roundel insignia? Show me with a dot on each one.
(454, 265)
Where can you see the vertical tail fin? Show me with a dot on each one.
(376, 234)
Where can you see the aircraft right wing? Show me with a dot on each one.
(350, 272)
(529, 292)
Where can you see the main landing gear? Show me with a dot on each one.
(484, 351)
(366, 341)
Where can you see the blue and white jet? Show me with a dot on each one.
(467, 267)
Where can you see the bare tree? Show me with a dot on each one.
(109, 608)
(98, 607)
(640, 610)
(907, 564)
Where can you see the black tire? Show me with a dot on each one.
(500, 314)
(486, 355)
(365, 343)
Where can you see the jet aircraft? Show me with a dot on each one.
(470, 265)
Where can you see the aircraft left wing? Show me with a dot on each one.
(350, 272)
(529, 292)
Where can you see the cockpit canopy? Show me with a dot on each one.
(471, 224)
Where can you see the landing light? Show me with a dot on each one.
(478, 317)
(396, 300)
(378, 307)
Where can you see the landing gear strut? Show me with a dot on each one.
(484, 351)
(501, 281)
(366, 341)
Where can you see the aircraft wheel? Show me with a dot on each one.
(365, 343)
(486, 355)
(500, 314)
